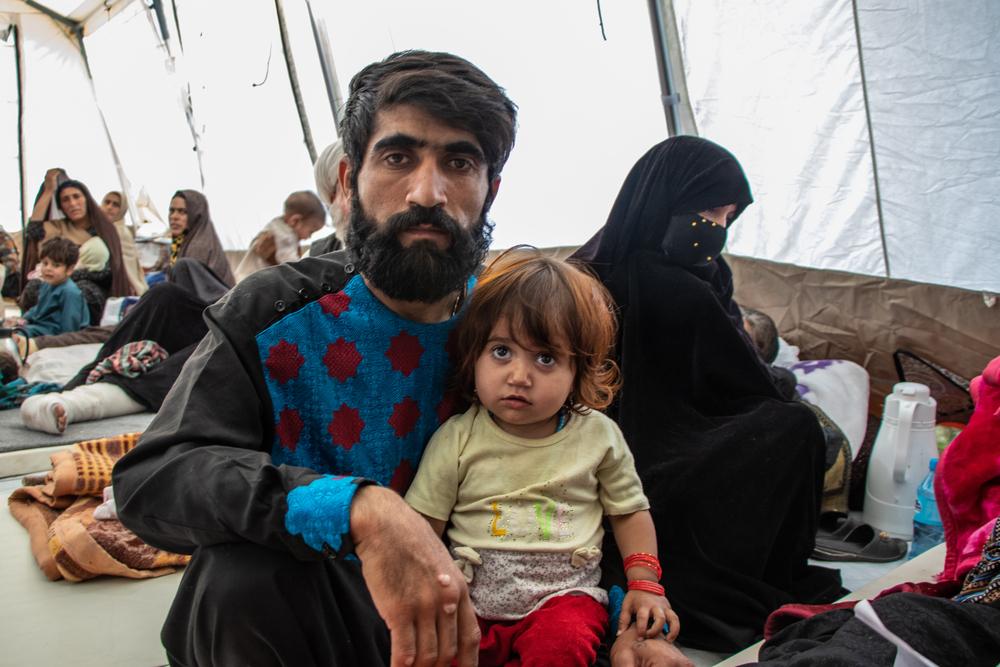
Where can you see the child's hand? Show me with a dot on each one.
(648, 607)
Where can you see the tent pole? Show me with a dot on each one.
(871, 139)
(294, 81)
(327, 67)
(56, 16)
(18, 62)
(668, 93)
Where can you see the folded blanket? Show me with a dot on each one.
(130, 360)
(66, 541)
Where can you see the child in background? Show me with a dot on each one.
(527, 474)
(61, 307)
(278, 242)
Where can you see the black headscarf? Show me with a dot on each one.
(201, 241)
(680, 175)
(734, 473)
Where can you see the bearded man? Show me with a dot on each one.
(278, 455)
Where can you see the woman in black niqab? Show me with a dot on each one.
(733, 472)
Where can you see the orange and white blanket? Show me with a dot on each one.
(58, 513)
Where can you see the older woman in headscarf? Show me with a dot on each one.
(733, 472)
(114, 208)
(197, 260)
(84, 220)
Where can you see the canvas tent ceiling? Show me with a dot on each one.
(870, 130)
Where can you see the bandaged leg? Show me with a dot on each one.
(51, 413)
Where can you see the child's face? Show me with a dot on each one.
(305, 227)
(523, 387)
(53, 273)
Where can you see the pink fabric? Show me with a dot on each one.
(967, 479)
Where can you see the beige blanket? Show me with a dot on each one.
(58, 513)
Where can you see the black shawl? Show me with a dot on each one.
(201, 242)
(734, 474)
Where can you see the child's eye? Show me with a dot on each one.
(500, 352)
(546, 359)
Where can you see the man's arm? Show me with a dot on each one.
(201, 474)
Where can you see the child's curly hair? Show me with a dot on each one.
(547, 303)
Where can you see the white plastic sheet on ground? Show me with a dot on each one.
(780, 84)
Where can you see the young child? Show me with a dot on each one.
(61, 306)
(304, 215)
(527, 474)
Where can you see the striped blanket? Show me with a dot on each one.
(57, 510)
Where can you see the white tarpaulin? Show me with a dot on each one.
(781, 85)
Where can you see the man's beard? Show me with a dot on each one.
(421, 272)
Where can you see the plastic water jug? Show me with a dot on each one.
(928, 531)
(903, 448)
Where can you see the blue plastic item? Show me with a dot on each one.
(928, 530)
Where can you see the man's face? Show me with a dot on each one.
(418, 225)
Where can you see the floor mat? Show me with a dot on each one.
(14, 436)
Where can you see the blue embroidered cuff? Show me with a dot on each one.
(616, 597)
(320, 512)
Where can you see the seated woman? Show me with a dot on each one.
(197, 260)
(114, 208)
(734, 473)
(84, 220)
(169, 314)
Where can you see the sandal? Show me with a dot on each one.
(836, 525)
(861, 544)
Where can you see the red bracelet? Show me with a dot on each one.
(646, 560)
(648, 586)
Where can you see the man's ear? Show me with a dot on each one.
(344, 178)
(293, 220)
(494, 187)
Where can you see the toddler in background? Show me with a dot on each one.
(61, 307)
(528, 473)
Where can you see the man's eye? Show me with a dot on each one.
(395, 159)
(500, 352)
(461, 163)
(546, 359)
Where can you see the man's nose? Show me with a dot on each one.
(427, 186)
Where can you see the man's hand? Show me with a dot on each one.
(416, 587)
(631, 650)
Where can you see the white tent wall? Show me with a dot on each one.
(10, 173)
(62, 126)
(251, 142)
(781, 85)
(933, 75)
(141, 98)
(588, 108)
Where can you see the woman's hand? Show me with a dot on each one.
(631, 650)
(52, 178)
(646, 607)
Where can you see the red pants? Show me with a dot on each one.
(563, 632)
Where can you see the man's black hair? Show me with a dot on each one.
(449, 88)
